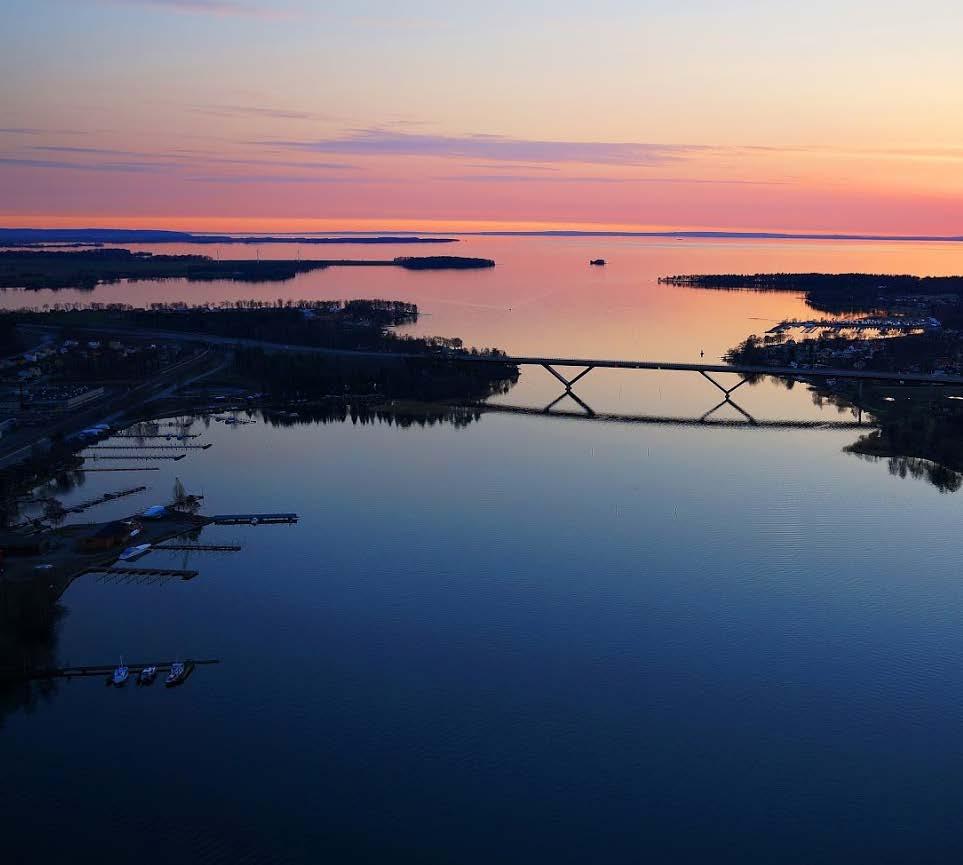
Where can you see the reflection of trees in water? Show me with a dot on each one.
(29, 624)
(403, 415)
(924, 448)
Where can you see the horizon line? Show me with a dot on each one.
(694, 234)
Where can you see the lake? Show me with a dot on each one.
(524, 638)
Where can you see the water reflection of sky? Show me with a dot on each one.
(549, 636)
(551, 623)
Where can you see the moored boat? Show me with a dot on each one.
(177, 674)
(147, 675)
(132, 553)
(120, 674)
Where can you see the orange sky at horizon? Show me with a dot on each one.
(294, 116)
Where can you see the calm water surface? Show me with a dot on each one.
(527, 639)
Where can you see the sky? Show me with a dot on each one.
(292, 115)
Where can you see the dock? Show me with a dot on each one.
(140, 457)
(106, 497)
(122, 469)
(123, 572)
(167, 437)
(252, 519)
(28, 674)
(200, 548)
(150, 447)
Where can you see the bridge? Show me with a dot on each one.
(553, 364)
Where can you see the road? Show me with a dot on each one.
(20, 445)
(588, 363)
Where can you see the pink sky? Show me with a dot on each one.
(214, 114)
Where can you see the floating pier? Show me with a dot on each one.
(106, 497)
(140, 457)
(116, 571)
(28, 674)
(166, 437)
(121, 469)
(252, 519)
(200, 548)
(150, 447)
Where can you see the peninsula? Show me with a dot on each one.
(33, 269)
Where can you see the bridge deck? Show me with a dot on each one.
(800, 372)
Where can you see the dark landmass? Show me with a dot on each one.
(97, 236)
(85, 270)
(920, 432)
(922, 441)
(832, 292)
(443, 262)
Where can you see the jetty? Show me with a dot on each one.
(150, 447)
(252, 519)
(121, 469)
(140, 457)
(87, 670)
(167, 437)
(116, 571)
(106, 497)
(200, 548)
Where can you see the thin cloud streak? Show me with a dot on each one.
(523, 178)
(135, 167)
(277, 178)
(253, 111)
(210, 7)
(499, 148)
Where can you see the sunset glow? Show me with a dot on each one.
(298, 116)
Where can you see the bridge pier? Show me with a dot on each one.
(728, 391)
(568, 384)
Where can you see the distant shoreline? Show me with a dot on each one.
(11, 236)
(27, 237)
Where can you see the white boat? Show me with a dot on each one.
(120, 674)
(132, 553)
(147, 675)
(177, 674)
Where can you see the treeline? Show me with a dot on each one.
(351, 324)
(443, 262)
(37, 269)
(320, 306)
(405, 417)
(292, 376)
(87, 268)
(828, 291)
(924, 442)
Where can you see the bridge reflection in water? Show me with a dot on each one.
(745, 373)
